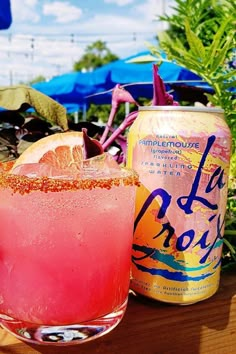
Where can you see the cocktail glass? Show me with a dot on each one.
(65, 255)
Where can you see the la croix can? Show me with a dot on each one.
(182, 157)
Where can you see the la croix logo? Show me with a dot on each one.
(186, 239)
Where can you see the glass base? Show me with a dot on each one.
(63, 335)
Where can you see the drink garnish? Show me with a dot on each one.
(64, 161)
(64, 151)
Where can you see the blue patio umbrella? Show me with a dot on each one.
(170, 72)
(75, 87)
(5, 14)
(138, 77)
(85, 88)
(71, 87)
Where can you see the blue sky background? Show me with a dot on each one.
(47, 36)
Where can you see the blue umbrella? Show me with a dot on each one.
(71, 87)
(77, 87)
(138, 77)
(5, 14)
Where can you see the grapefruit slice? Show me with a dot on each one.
(64, 151)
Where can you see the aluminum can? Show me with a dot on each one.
(182, 156)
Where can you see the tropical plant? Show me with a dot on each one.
(213, 61)
(206, 46)
(204, 17)
(39, 78)
(96, 55)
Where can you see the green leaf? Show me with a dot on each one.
(176, 51)
(172, 43)
(220, 56)
(217, 42)
(195, 43)
(15, 97)
(223, 77)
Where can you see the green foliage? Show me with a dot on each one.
(21, 97)
(101, 112)
(211, 58)
(229, 248)
(204, 15)
(201, 38)
(39, 78)
(96, 55)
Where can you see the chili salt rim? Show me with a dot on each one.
(26, 185)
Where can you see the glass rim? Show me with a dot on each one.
(25, 185)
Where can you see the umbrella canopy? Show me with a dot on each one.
(77, 87)
(170, 72)
(71, 87)
(5, 14)
(128, 71)
(138, 77)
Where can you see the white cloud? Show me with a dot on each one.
(119, 2)
(64, 12)
(55, 54)
(32, 48)
(30, 3)
(150, 9)
(114, 27)
(111, 23)
(25, 11)
(48, 58)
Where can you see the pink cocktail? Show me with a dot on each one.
(65, 253)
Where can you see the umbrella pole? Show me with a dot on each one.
(127, 108)
(84, 112)
(76, 117)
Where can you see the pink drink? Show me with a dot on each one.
(65, 248)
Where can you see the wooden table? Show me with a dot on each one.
(150, 327)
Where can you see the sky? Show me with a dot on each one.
(47, 36)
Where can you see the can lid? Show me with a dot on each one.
(182, 108)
